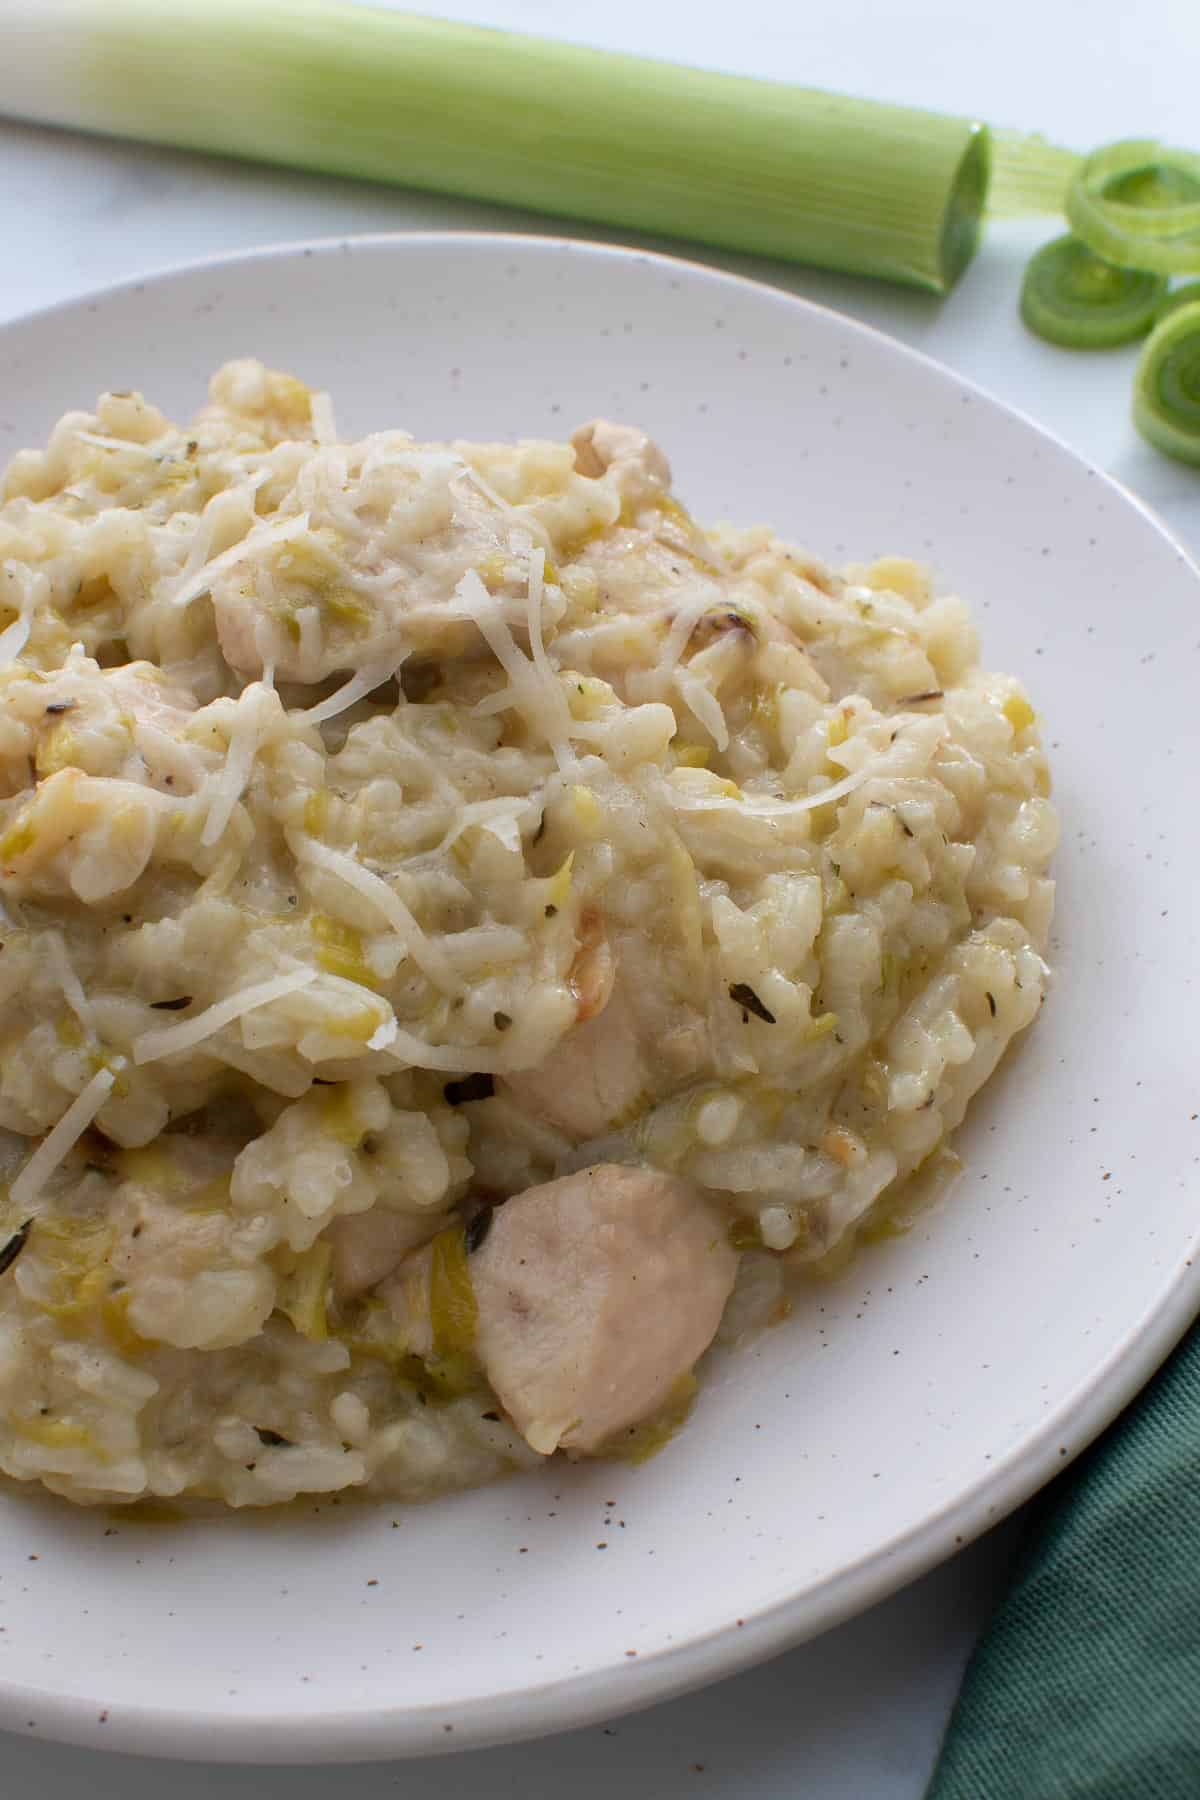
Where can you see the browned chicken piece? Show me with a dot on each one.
(635, 462)
(594, 969)
(596, 1293)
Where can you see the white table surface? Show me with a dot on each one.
(856, 1715)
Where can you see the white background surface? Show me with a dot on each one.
(858, 1713)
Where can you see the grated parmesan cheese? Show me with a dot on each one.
(766, 808)
(14, 638)
(501, 817)
(110, 443)
(59, 1142)
(525, 521)
(703, 704)
(352, 691)
(448, 1059)
(172, 1040)
(69, 981)
(228, 784)
(320, 408)
(537, 693)
(386, 901)
(682, 626)
(278, 531)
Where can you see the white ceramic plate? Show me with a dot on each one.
(903, 1409)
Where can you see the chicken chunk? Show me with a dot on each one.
(594, 1080)
(638, 467)
(596, 1292)
(616, 1061)
(367, 1246)
(380, 580)
(189, 1275)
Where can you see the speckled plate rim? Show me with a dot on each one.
(576, 1701)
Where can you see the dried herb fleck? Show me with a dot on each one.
(272, 1439)
(743, 995)
(919, 699)
(477, 1228)
(172, 1005)
(991, 1000)
(471, 1087)
(61, 706)
(14, 1246)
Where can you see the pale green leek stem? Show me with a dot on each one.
(750, 165)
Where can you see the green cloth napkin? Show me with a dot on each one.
(1086, 1684)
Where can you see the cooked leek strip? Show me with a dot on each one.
(1072, 297)
(1137, 204)
(784, 171)
(1166, 390)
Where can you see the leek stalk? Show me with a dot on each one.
(1166, 386)
(758, 166)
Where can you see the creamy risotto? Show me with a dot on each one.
(468, 932)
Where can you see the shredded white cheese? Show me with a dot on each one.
(682, 626)
(538, 694)
(172, 1040)
(352, 691)
(228, 784)
(69, 981)
(14, 638)
(59, 1142)
(500, 817)
(231, 512)
(278, 531)
(535, 595)
(449, 1059)
(320, 409)
(386, 901)
(524, 520)
(763, 808)
(110, 443)
(703, 704)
